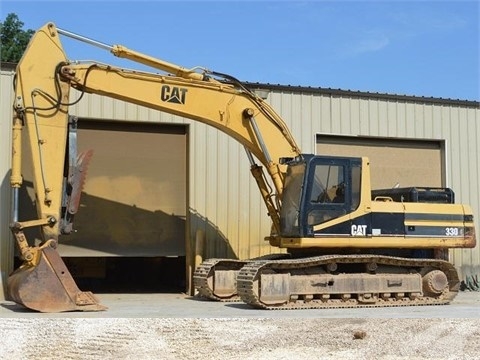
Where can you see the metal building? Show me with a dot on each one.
(152, 168)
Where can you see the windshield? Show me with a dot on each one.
(291, 200)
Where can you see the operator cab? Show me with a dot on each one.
(318, 189)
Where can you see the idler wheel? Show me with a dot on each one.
(434, 282)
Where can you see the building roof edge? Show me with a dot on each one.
(362, 94)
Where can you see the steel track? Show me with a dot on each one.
(247, 282)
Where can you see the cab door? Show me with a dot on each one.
(331, 192)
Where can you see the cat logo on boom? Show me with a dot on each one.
(173, 94)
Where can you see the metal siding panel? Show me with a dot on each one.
(419, 121)
(108, 108)
(210, 191)
(445, 134)
(455, 157)
(355, 127)
(345, 118)
(373, 118)
(315, 124)
(335, 114)
(383, 120)
(245, 218)
(231, 181)
(409, 119)
(254, 219)
(468, 172)
(401, 120)
(364, 107)
(428, 122)
(391, 118)
(474, 143)
(291, 112)
(307, 135)
(326, 114)
(6, 242)
(95, 107)
(197, 181)
(436, 122)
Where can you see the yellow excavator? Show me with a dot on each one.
(346, 244)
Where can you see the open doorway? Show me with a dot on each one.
(128, 274)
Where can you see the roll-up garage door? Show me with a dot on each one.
(392, 161)
(134, 199)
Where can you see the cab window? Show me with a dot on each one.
(328, 185)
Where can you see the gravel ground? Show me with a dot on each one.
(239, 338)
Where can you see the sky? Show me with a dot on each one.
(419, 48)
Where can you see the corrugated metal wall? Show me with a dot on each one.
(6, 244)
(224, 200)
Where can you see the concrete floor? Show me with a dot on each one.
(167, 305)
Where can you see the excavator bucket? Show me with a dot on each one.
(48, 286)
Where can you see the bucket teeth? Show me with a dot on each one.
(86, 299)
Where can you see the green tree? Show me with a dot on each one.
(14, 39)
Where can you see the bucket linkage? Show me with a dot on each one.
(43, 282)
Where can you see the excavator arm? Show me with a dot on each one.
(44, 78)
